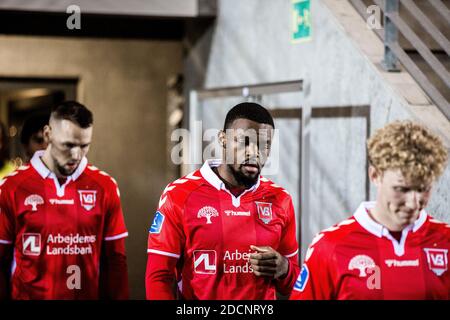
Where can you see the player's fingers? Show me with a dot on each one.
(261, 249)
(259, 262)
(263, 274)
(265, 269)
(263, 256)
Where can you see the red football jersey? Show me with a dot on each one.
(200, 222)
(57, 230)
(359, 259)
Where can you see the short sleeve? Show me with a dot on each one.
(315, 281)
(7, 221)
(115, 223)
(288, 244)
(166, 236)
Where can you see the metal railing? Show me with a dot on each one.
(394, 24)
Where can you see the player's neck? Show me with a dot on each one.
(224, 174)
(49, 163)
(380, 216)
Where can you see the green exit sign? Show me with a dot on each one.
(301, 21)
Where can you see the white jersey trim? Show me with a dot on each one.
(209, 175)
(44, 172)
(5, 241)
(119, 236)
(363, 218)
(375, 228)
(13, 264)
(214, 180)
(40, 167)
(292, 254)
(163, 253)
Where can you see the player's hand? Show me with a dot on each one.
(266, 262)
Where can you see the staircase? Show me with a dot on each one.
(416, 37)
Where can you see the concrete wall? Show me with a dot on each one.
(124, 83)
(250, 44)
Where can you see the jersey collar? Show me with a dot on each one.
(44, 172)
(377, 229)
(210, 176)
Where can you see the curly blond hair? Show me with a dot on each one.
(419, 154)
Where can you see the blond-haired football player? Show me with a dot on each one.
(390, 248)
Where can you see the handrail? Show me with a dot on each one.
(427, 24)
(361, 8)
(418, 74)
(441, 8)
(419, 45)
(393, 24)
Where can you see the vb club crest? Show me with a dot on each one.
(87, 198)
(264, 211)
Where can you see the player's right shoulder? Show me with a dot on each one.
(180, 189)
(326, 240)
(15, 178)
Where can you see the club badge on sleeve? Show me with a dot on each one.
(157, 224)
(302, 279)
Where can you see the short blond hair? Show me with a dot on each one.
(419, 154)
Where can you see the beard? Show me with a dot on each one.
(63, 171)
(243, 179)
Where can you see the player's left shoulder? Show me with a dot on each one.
(271, 187)
(437, 226)
(102, 178)
(269, 194)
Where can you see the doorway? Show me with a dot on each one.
(23, 99)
